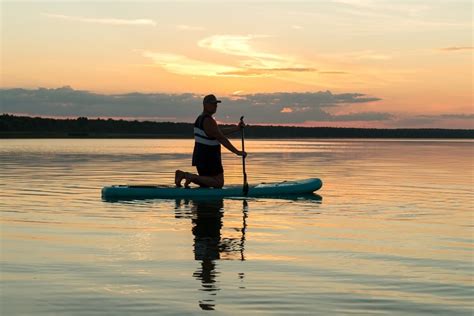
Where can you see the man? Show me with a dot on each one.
(208, 139)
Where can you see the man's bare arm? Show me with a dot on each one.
(233, 129)
(211, 129)
(230, 130)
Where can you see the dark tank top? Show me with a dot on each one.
(207, 150)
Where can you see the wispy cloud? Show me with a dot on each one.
(297, 27)
(377, 8)
(239, 45)
(355, 3)
(183, 65)
(333, 73)
(249, 62)
(456, 48)
(264, 71)
(108, 21)
(184, 27)
(389, 16)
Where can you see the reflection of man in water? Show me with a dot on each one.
(207, 224)
(209, 245)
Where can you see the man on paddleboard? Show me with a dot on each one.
(208, 138)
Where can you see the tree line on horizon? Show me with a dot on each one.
(25, 126)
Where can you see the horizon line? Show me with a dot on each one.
(270, 125)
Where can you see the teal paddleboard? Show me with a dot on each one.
(298, 187)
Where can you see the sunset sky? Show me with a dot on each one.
(360, 63)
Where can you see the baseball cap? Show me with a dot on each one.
(210, 98)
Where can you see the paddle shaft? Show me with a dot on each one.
(246, 185)
(243, 158)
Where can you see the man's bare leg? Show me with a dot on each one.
(212, 182)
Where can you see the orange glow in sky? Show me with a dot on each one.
(415, 57)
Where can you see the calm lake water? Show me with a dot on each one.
(390, 232)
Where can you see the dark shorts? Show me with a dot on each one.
(210, 171)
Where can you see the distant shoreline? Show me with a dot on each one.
(12, 126)
(4, 135)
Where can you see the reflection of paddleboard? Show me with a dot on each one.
(167, 192)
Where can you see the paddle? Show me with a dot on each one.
(245, 188)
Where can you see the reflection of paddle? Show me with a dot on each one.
(243, 230)
(245, 188)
